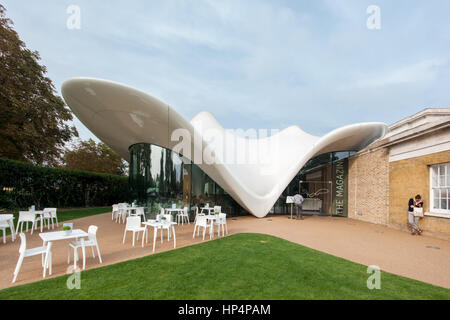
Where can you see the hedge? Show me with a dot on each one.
(24, 184)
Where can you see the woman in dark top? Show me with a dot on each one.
(413, 220)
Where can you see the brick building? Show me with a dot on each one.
(413, 158)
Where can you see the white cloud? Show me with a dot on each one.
(259, 64)
(422, 72)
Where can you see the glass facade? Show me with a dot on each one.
(160, 177)
(323, 183)
(156, 177)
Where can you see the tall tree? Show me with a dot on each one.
(33, 119)
(90, 156)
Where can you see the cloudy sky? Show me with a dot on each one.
(253, 64)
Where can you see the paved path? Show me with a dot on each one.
(393, 251)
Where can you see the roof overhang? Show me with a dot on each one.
(121, 116)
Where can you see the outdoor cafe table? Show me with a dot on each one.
(170, 210)
(159, 225)
(208, 209)
(131, 208)
(9, 218)
(173, 209)
(212, 218)
(49, 237)
(40, 213)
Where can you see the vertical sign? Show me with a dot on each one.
(340, 187)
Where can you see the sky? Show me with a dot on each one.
(253, 64)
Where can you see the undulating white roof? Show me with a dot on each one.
(253, 171)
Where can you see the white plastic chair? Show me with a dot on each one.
(91, 242)
(164, 213)
(134, 225)
(138, 213)
(217, 209)
(118, 214)
(201, 222)
(24, 252)
(174, 205)
(50, 215)
(26, 217)
(115, 211)
(221, 222)
(3, 226)
(183, 216)
(165, 226)
(196, 214)
(122, 212)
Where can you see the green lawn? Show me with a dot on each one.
(70, 214)
(241, 266)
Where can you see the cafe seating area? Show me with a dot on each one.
(167, 219)
(132, 218)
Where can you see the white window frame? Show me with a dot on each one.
(444, 213)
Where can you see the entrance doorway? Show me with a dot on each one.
(318, 198)
(325, 181)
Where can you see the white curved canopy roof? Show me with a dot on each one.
(121, 116)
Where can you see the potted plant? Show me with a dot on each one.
(67, 229)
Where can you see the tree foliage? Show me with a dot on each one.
(90, 156)
(24, 184)
(33, 119)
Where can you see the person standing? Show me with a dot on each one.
(298, 200)
(413, 220)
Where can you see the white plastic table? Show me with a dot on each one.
(170, 210)
(207, 209)
(9, 218)
(62, 235)
(130, 208)
(173, 209)
(158, 225)
(40, 213)
(212, 218)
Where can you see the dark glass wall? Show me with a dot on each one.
(323, 177)
(205, 190)
(160, 178)
(156, 177)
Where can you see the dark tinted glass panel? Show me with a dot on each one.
(156, 177)
(322, 180)
(160, 178)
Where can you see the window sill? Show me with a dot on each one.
(438, 215)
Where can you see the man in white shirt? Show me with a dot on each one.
(298, 200)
